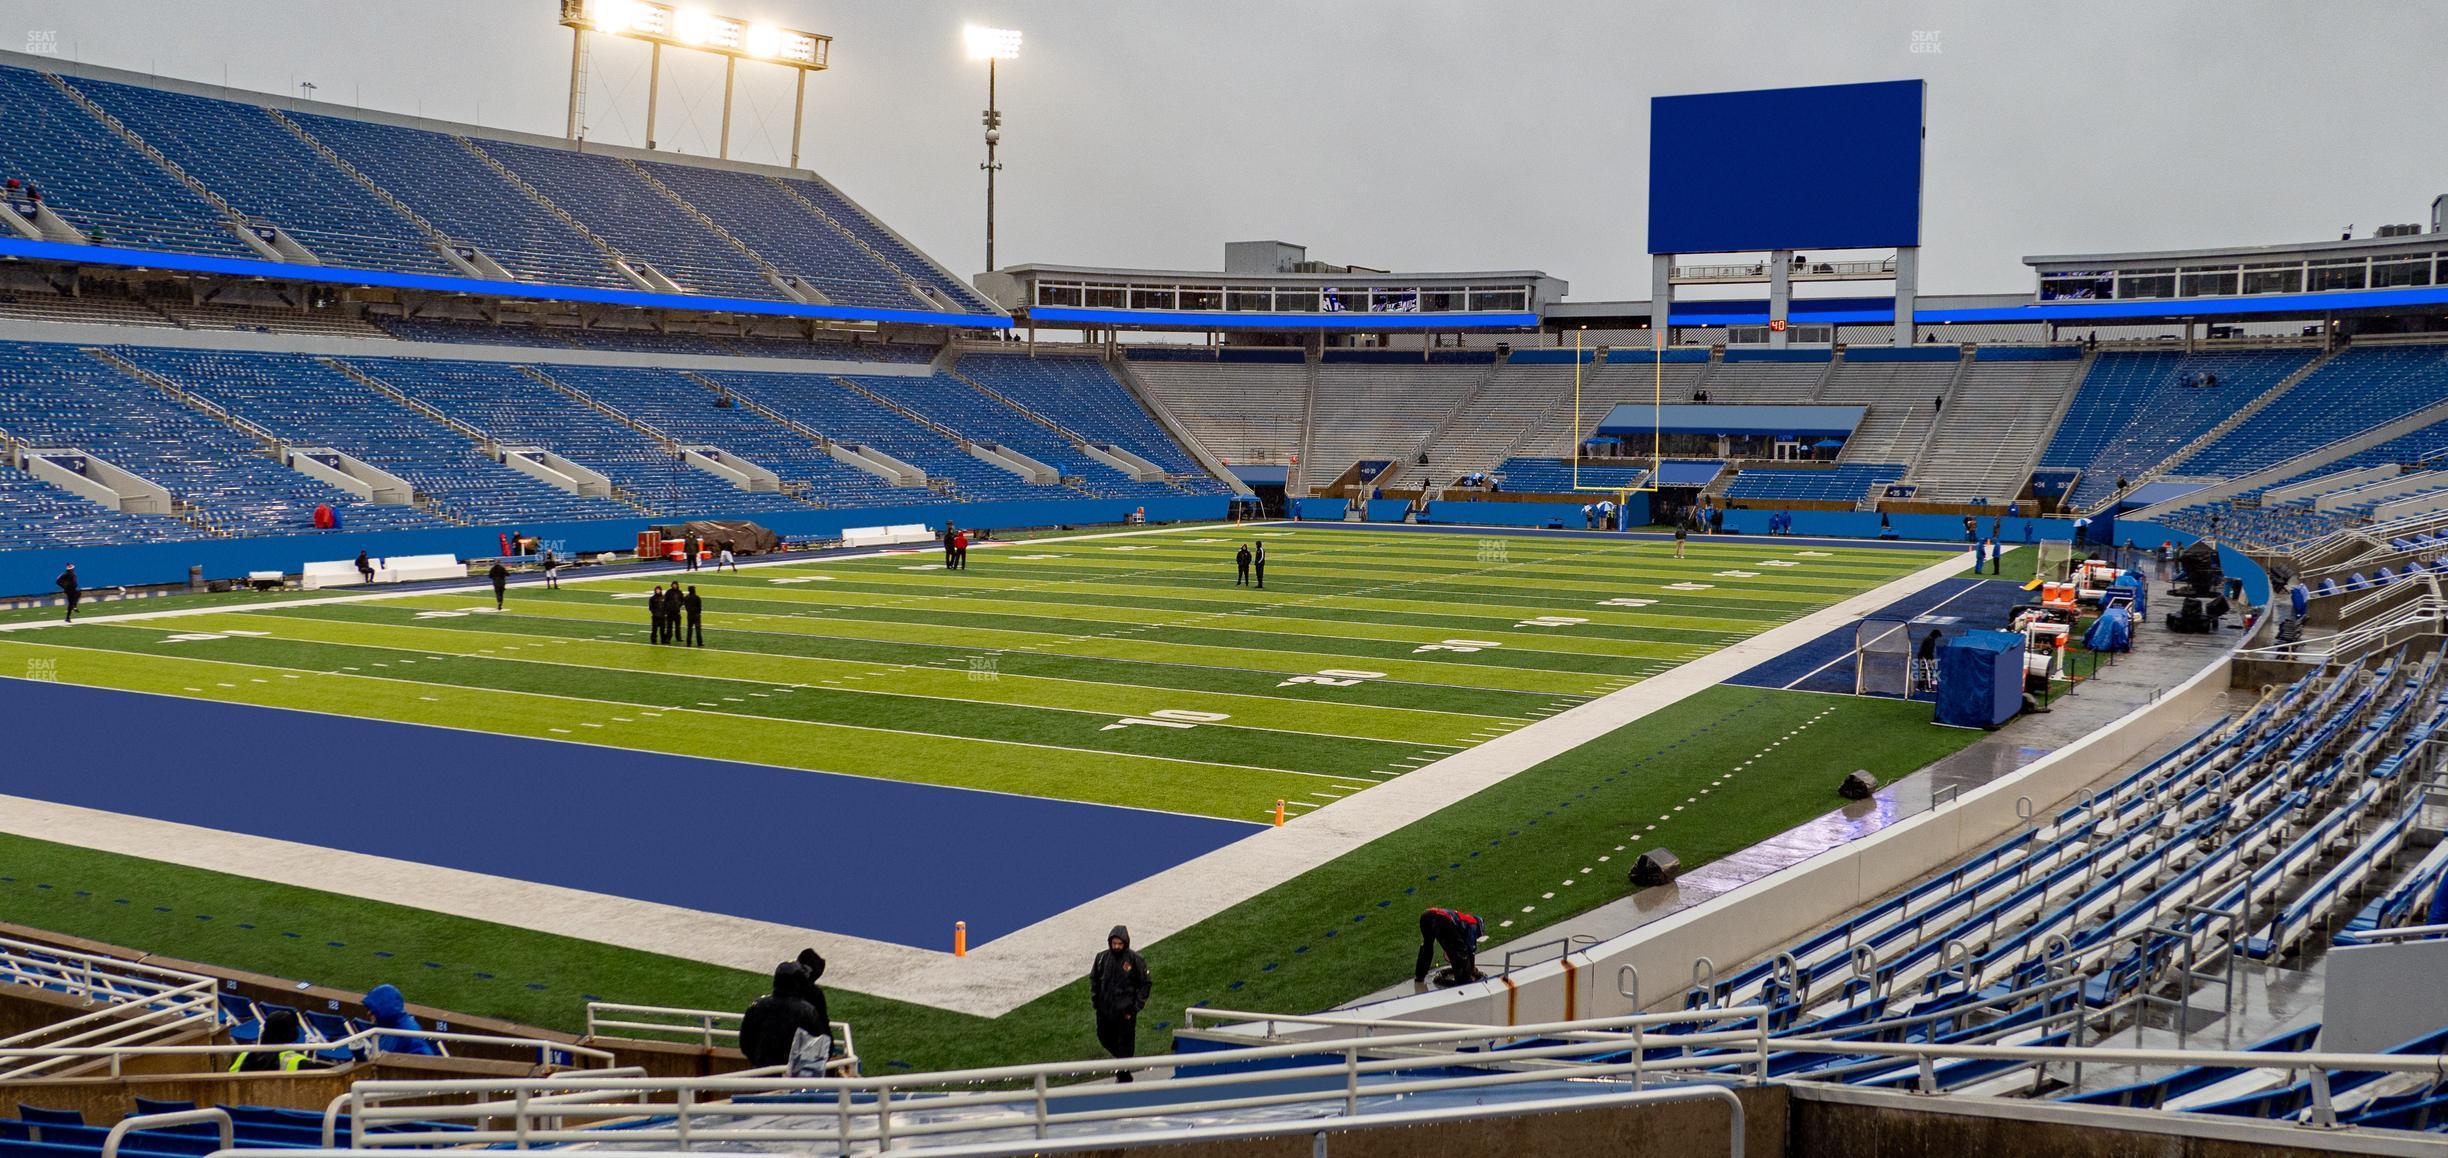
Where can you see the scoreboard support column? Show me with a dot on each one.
(1907, 283)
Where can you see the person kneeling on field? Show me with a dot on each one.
(1457, 933)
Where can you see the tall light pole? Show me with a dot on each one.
(991, 45)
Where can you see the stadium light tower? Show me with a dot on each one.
(991, 45)
(696, 30)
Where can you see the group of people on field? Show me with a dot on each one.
(669, 607)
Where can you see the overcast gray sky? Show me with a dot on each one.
(1428, 134)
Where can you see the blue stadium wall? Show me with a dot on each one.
(32, 572)
(1949, 528)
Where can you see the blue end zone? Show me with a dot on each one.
(1825, 664)
(870, 858)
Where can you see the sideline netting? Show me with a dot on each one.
(1885, 657)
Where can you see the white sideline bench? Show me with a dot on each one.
(397, 569)
(886, 536)
(408, 568)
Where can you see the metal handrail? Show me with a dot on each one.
(708, 1032)
(136, 1001)
(706, 1027)
(331, 1110)
(1320, 1128)
(2422, 618)
(1027, 1097)
(117, 1054)
(2403, 933)
(135, 1122)
(533, 1112)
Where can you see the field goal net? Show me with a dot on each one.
(2056, 561)
(1887, 657)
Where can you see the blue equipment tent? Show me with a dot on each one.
(1980, 679)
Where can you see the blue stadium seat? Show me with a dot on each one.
(1847, 483)
(616, 204)
(516, 408)
(58, 396)
(1539, 476)
(310, 404)
(95, 180)
(442, 180)
(265, 171)
(2134, 408)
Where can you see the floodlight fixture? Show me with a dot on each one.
(991, 43)
(692, 28)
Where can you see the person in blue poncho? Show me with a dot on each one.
(390, 1011)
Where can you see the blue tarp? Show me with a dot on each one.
(2113, 631)
(1980, 679)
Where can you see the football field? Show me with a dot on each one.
(1119, 670)
(1083, 729)
(1119, 692)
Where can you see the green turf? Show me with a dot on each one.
(1331, 934)
(890, 666)
(1008, 676)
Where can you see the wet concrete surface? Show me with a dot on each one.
(2160, 661)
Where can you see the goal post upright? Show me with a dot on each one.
(1657, 435)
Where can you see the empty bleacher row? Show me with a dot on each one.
(2136, 408)
(1554, 476)
(146, 167)
(1849, 483)
(1367, 412)
(2352, 391)
(2249, 837)
(1468, 417)
(1242, 412)
(58, 397)
(1998, 414)
(210, 428)
(1960, 428)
